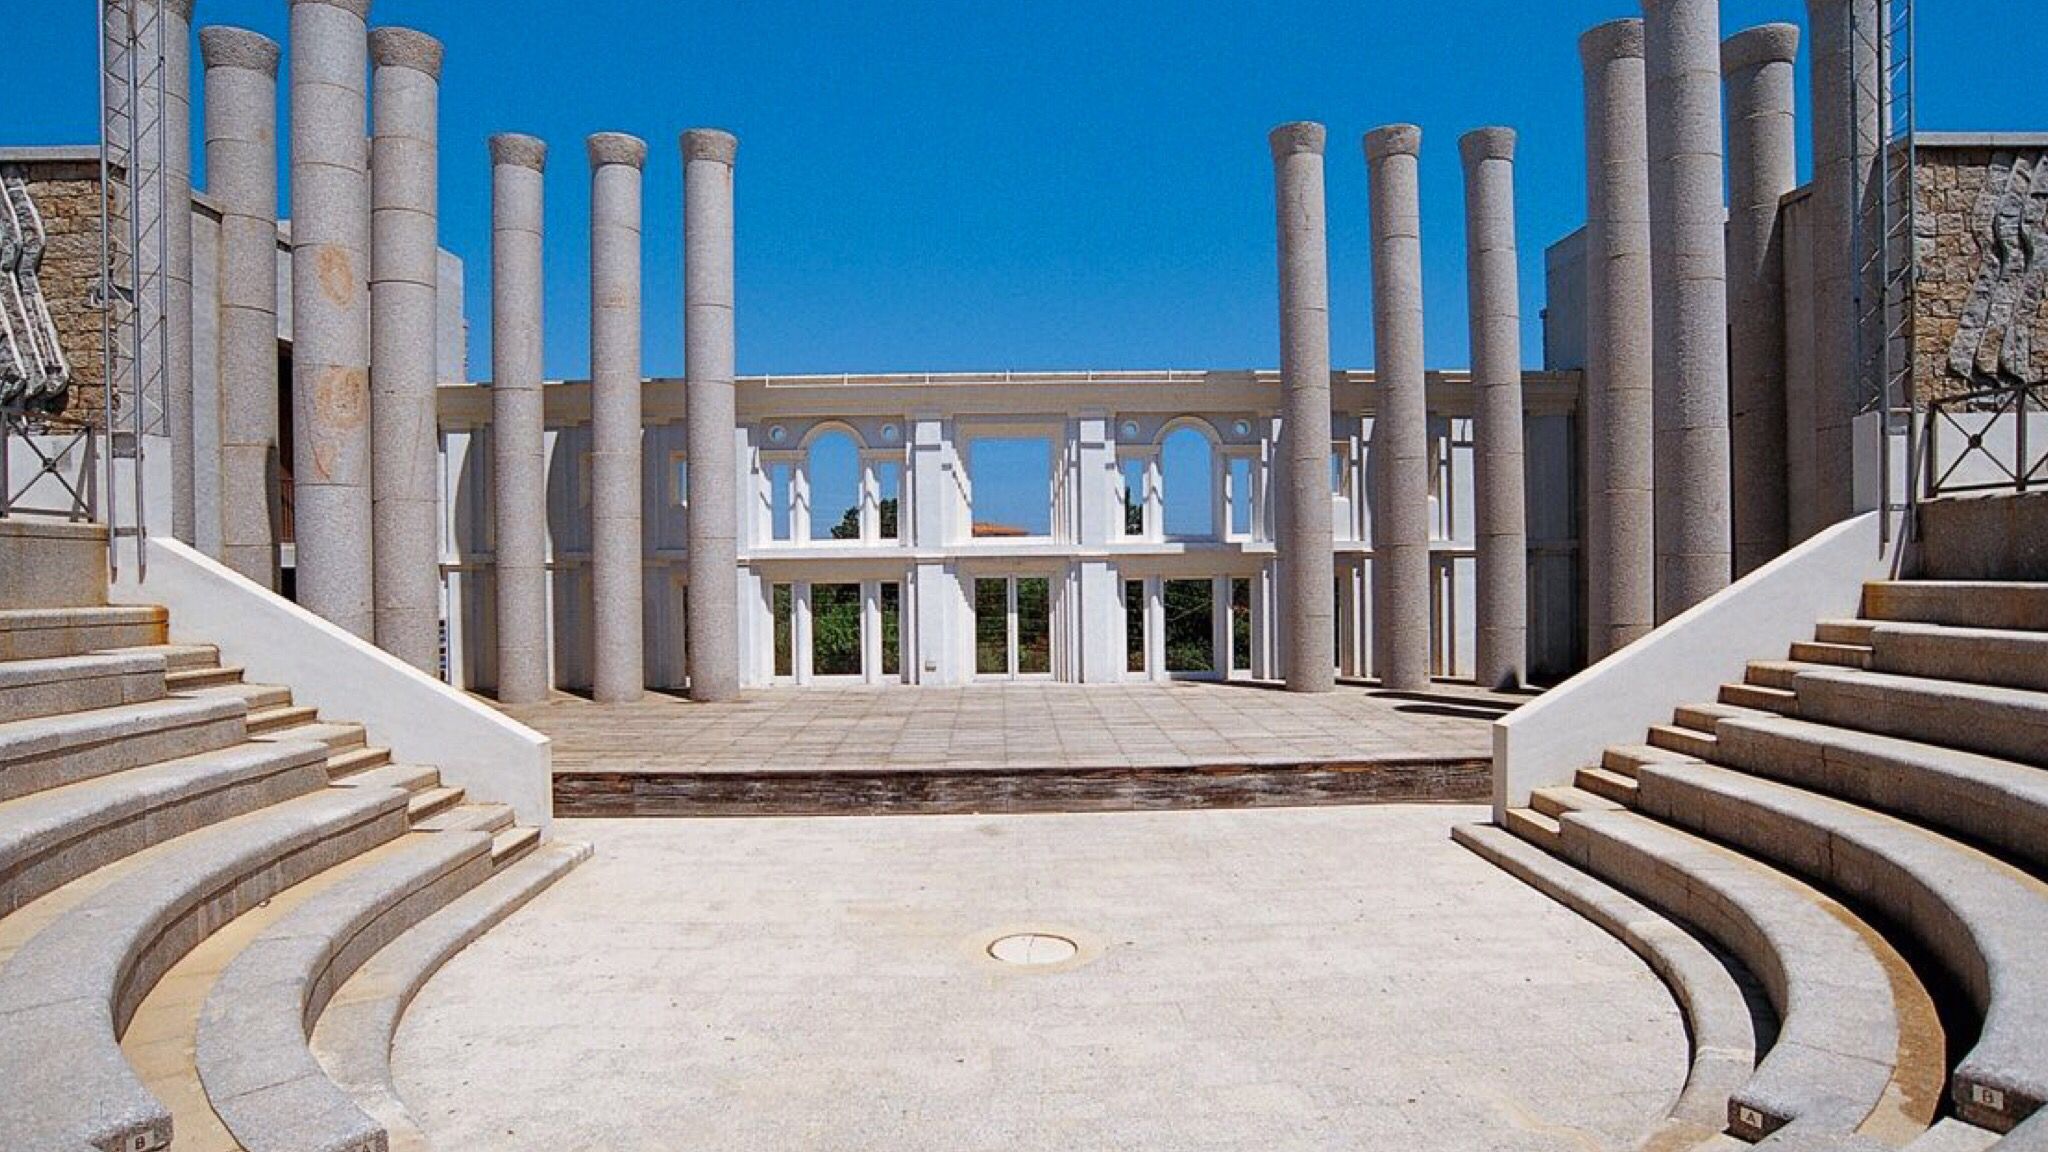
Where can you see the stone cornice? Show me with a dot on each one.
(1614, 40)
(1297, 137)
(524, 151)
(406, 48)
(1482, 144)
(1755, 47)
(1393, 140)
(223, 47)
(616, 148)
(710, 144)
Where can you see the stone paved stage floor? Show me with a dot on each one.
(1314, 978)
(867, 749)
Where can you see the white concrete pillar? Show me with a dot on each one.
(330, 214)
(1850, 97)
(404, 252)
(709, 412)
(1308, 660)
(616, 161)
(1757, 71)
(1689, 287)
(1620, 534)
(518, 432)
(241, 176)
(1499, 510)
(1402, 613)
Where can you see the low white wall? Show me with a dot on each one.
(423, 721)
(1546, 742)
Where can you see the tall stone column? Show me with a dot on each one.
(1494, 290)
(518, 422)
(1402, 614)
(404, 255)
(1620, 553)
(241, 176)
(185, 464)
(708, 351)
(615, 164)
(330, 214)
(1308, 659)
(1689, 284)
(1756, 68)
(1848, 227)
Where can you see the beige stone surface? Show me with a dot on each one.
(1010, 725)
(1305, 978)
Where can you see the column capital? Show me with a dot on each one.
(358, 8)
(1482, 144)
(1758, 46)
(616, 148)
(223, 47)
(1393, 140)
(1297, 137)
(524, 151)
(1614, 40)
(405, 48)
(710, 144)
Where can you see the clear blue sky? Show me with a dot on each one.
(933, 186)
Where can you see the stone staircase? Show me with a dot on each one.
(1838, 867)
(193, 870)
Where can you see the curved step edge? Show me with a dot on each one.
(1719, 1028)
(253, 1051)
(70, 990)
(1848, 1055)
(1984, 919)
(353, 1038)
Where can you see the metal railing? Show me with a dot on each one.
(35, 375)
(1997, 452)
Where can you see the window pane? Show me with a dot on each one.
(835, 629)
(1241, 625)
(833, 467)
(1241, 496)
(1134, 625)
(1336, 474)
(1189, 484)
(1034, 626)
(778, 501)
(784, 641)
(1190, 626)
(889, 482)
(1012, 484)
(992, 627)
(892, 629)
(1134, 497)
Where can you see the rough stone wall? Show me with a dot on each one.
(1982, 307)
(70, 206)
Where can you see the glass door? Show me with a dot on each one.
(1012, 627)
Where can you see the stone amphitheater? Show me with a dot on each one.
(1647, 752)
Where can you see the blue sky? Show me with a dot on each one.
(927, 186)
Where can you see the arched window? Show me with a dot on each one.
(1188, 471)
(833, 468)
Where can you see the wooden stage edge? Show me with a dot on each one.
(942, 791)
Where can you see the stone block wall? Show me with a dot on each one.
(68, 196)
(1981, 313)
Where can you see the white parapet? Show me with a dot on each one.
(1685, 661)
(490, 756)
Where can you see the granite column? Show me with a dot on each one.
(616, 161)
(1308, 606)
(1402, 613)
(712, 630)
(518, 420)
(241, 176)
(1500, 506)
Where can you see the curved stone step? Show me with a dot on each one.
(2005, 657)
(33, 633)
(1952, 1135)
(176, 657)
(52, 837)
(1959, 603)
(1859, 1049)
(2006, 722)
(54, 750)
(353, 1037)
(60, 684)
(69, 991)
(1986, 921)
(253, 1049)
(1994, 802)
(1717, 1017)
